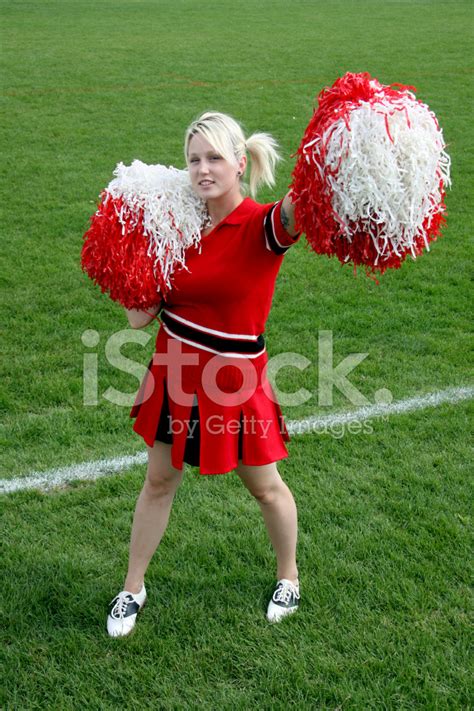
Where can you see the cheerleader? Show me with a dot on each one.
(205, 399)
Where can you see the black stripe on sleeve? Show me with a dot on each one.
(274, 246)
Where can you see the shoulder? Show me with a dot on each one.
(252, 207)
(255, 212)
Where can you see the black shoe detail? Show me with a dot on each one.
(290, 600)
(131, 609)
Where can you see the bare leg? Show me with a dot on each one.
(279, 512)
(152, 512)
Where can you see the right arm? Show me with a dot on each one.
(140, 319)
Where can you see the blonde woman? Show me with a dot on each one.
(206, 399)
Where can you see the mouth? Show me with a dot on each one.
(206, 183)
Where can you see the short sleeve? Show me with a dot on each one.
(277, 239)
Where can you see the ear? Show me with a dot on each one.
(243, 164)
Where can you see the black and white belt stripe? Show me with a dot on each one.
(236, 345)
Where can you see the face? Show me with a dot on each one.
(212, 176)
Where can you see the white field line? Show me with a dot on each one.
(93, 470)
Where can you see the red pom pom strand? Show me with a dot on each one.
(115, 256)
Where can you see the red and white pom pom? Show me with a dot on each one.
(370, 179)
(148, 217)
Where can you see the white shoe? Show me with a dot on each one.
(123, 611)
(284, 601)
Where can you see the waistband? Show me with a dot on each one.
(208, 339)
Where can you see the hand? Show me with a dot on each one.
(140, 318)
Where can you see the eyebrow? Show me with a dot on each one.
(209, 153)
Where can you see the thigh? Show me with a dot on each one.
(260, 481)
(160, 471)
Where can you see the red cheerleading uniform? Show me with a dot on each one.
(206, 391)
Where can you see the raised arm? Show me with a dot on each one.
(140, 319)
(288, 215)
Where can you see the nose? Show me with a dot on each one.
(203, 167)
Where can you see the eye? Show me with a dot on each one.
(216, 157)
(193, 160)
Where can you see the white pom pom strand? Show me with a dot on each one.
(173, 215)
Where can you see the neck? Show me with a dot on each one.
(221, 207)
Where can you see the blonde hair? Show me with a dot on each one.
(226, 136)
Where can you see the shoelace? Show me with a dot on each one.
(284, 593)
(120, 608)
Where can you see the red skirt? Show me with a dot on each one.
(214, 410)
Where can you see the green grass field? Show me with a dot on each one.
(385, 519)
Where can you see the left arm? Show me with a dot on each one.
(288, 215)
(279, 226)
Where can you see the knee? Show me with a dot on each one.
(267, 495)
(263, 482)
(161, 485)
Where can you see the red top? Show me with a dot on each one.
(220, 304)
(228, 283)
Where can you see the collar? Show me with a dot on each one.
(239, 214)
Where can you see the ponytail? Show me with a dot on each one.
(263, 153)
